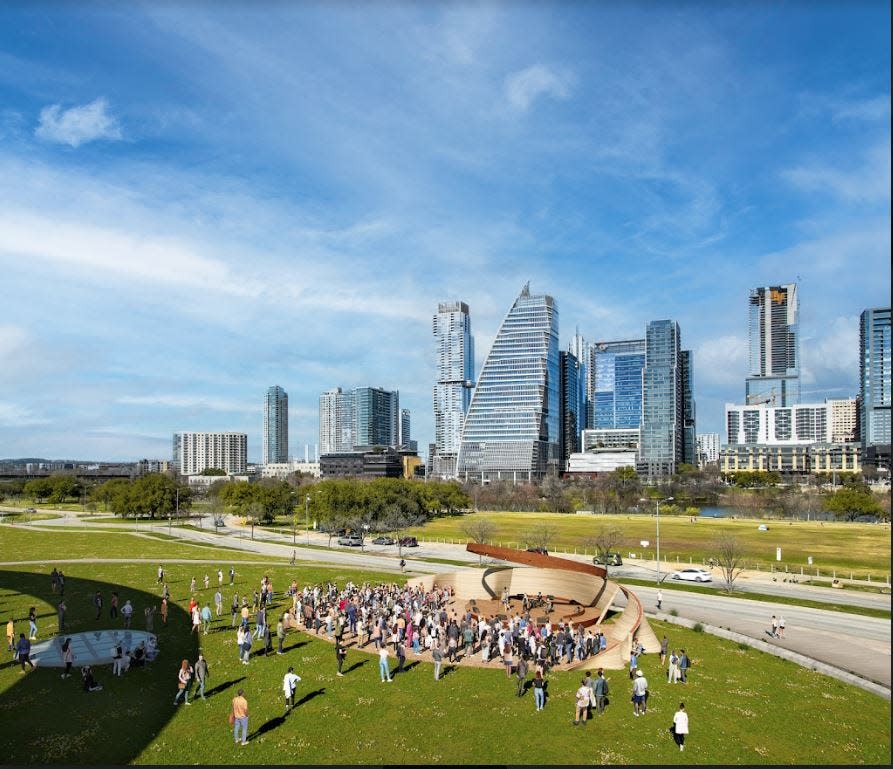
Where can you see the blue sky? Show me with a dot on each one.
(199, 200)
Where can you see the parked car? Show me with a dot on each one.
(383, 541)
(30, 510)
(692, 575)
(408, 542)
(608, 559)
(351, 540)
(540, 550)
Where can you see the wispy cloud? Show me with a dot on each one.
(867, 182)
(523, 88)
(722, 361)
(877, 108)
(14, 415)
(78, 125)
(188, 402)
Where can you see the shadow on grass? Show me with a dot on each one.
(309, 696)
(356, 665)
(448, 670)
(224, 686)
(269, 726)
(410, 666)
(298, 645)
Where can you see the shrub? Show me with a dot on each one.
(698, 627)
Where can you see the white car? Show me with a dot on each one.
(692, 575)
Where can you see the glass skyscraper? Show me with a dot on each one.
(336, 422)
(572, 405)
(376, 417)
(455, 381)
(275, 440)
(512, 428)
(774, 349)
(874, 376)
(617, 384)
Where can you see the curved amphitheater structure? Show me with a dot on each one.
(578, 593)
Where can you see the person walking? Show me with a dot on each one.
(581, 701)
(673, 668)
(113, 606)
(149, 613)
(402, 566)
(160, 574)
(522, 674)
(184, 675)
(280, 636)
(32, 623)
(680, 726)
(600, 689)
(660, 598)
(206, 619)
(10, 635)
(774, 632)
(289, 685)
(60, 612)
(234, 609)
(192, 585)
(218, 602)
(97, 602)
(340, 656)
(633, 664)
(127, 613)
(24, 649)
(539, 690)
(401, 657)
(780, 626)
(664, 643)
(67, 657)
(202, 671)
(220, 578)
(383, 664)
(437, 656)
(207, 581)
(239, 717)
(640, 692)
(232, 574)
(164, 611)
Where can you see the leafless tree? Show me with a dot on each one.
(605, 540)
(479, 530)
(729, 556)
(540, 535)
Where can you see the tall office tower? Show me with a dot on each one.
(455, 381)
(874, 377)
(405, 422)
(336, 422)
(275, 443)
(584, 351)
(689, 431)
(708, 448)
(511, 429)
(662, 443)
(195, 452)
(572, 406)
(376, 417)
(617, 384)
(774, 352)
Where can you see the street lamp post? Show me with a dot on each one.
(657, 526)
(307, 511)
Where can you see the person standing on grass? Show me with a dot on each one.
(633, 664)
(184, 675)
(160, 574)
(24, 649)
(196, 619)
(32, 623)
(240, 717)
(664, 643)
(165, 591)
(164, 611)
(207, 581)
(218, 602)
(401, 657)
(127, 613)
(383, 664)
(10, 635)
(289, 685)
(113, 606)
(206, 619)
(192, 585)
(437, 656)
(684, 665)
(280, 636)
(600, 689)
(67, 657)
(149, 613)
(220, 578)
(232, 574)
(97, 602)
(54, 579)
(539, 689)
(202, 671)
(60, 611)
(680, 726)
(340, 656)
(640, 691)
(234, 609)
(522, 674)
(673, 668)
(581, 700)
(61, 583)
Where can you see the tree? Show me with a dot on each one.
(213, 471)
(540, 535)
(478, 530)
(729, 556)
(605, 541)
(152, 495)
(852, 501)
(38, 489)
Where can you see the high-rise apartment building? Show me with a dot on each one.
(583, 351)
(689, 432)
(455, 381)
(803, 424)
(774, 351)
(571, 404)
(874, 377)
(844, 416)
(511, 430)
(667, 401)
(708, 448)
(195, 452)
(275, 440)
(616, 395)
(376, 417)
(336, 422)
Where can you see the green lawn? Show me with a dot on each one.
(744, 706)
(861, 547)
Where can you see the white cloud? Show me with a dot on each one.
(13, 415)
(78, 125)
(524, 87)
(188, 402)
(13, 339)
(869, 182)
(832, 358)
(722, 361)
(877, 108)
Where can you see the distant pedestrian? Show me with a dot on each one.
(127, 613)
(218, 602)
(660, 598)
(232, 574)
(24, 649)
(202, 671)
(522, 674)
(160, 574)
(184, 675)
(293, 557)
(633, 664)
(207, 580)
(219, 577)
(581, 702)
(32, 623)
(149, 613)
(60, 611)
(10, 635)
(673, 668)
(67, 657)
(340, 656)
(113, 606)
(664, 643)
(383, 664)
(280, 636)
(234, 609)
(401, 657)
(54, 579)
(97, 602)
(539, 689)
(206, 619)
(684, 665)
(437, 656)
(289, 685)
(601, 690)
(680, 726)
(640, 693)
(781, 626)
(164, 611)
(61, 583)
(192, 585)
(239, 717)
(402, 566)
(774, 624)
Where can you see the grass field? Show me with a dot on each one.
(860, 547)
(744, 706)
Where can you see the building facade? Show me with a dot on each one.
(376, 417)
(874, 378)
(774, 346)
(196, 452)
(511, 430)
(610, 439)
(455, 381)
(616, 382)
(275, 432)
(774, 426)
(708, 448)
(844, 416)
(571, 404)
(336, 421)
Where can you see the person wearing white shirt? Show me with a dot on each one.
(640, 692)
(680, 726)
(384, 666)
(289, 684)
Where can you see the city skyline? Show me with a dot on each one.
(248, 201)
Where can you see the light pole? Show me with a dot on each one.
(307, 511)
(657, 526)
